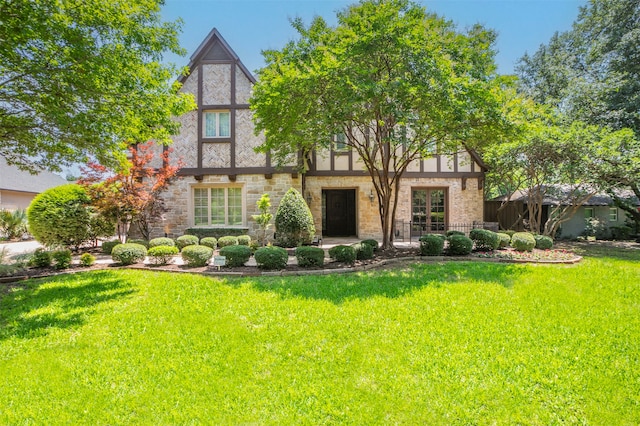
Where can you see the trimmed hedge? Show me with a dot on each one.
(431, 245)
(139, 241)
(129, 253)
(309, 256)
(271, 257)
(236, 255)
(107, 246)
(373, 243)
(214, 232)
(161, 255)
(484, 239)
(209, 242)
(503, 240)
(293, 221)
(543, 242)
(244, 240)
(196, 255)
(453, 232)
(162, 241)
(459, 245)
(227, 240)
(187, 240)
(363, 251)
(344, 254)
(523, 241)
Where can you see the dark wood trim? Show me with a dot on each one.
(200, 113)
(224, 107)
(464, 183)
(220, 171)
(407, 174)
(439, 163)
(455, 162)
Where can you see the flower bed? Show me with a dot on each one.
(539, 256)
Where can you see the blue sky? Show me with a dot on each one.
(251, 26)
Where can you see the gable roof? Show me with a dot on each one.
(558, 193)
(215, 48)
(14, 179)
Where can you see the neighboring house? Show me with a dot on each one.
(222, 176)
(19, 187)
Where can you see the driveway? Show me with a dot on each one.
(13, 248)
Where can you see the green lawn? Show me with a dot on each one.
(452, 343)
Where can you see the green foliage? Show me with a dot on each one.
(87, 259)
(509, 232)
(459, 245)
(42, 258)
(271, 257)
(484, 239)
(431, 245)
(61, 259)
(215, 232)
(244, 240)
(543, 242)
(196, 255)
(161, 241)
(101, 227)
(342, 253)
(186, 240)
(129, 253)
(595, 227)
(107, 246)
(309, 256)
(209, 242)
(363, 251)
(60, 216)
(294, 222)
(523, 241)
(264, 218)
(161, 255)
(454, 232)
(621, 232)
(504, 239)
(228, 240)
(139, 241)
(236, 255)
(373, 243)
(13, 224)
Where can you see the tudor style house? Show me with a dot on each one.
(222, 176)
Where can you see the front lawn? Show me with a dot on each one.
(450, 343)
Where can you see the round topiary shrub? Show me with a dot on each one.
(431, 245)
(459, 245)
(228, 240)
(373, 243)
(453, 232)
(186, 240)
(196, 255)
(484, 239)
(87, 259)
(244, 240)
(140, 241)
(162, 241)
(129, 253)
(211, 242)
(236, 255)
(293, 221)
(308, 256)
(523, 241)
(363, 251)
(344, 254)
(107, 246)
(60, 216)
(61, 259)
(161, 255)
(543, 242)
(271, 257)
(503, 240)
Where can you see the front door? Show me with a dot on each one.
(339, 212)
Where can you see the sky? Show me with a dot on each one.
(250, 26)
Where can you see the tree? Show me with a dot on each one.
(264, 218)
(78, 76)
(398, 82)
(131, 195)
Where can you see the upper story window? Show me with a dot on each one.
(340, 142)
(217, 124)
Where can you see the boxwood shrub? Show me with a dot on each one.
(61, 259)
(484, 239)
(509, 232)
(453, 232)
(342, 253)
(142, 242)
(236, 255)
(214, 232)
(503, 240)
(431, 245)
(162, 241)
(186, 240)
(196, 255)
(87, 259)
(459, 245)
(107, 246)
(129, 253)
(209, 242)
(363, 251)
(244, 240)
(41, 258)
(373, 243)
(161, 255)
(523, 241)
(271, 257)
(308, 256)
(543, 242)
(227, 240)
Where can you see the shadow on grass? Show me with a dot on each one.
(619, 250)
(391, 283)
(63, 301)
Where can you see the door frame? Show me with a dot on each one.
(351, 210)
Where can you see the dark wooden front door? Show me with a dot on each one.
(340, 212)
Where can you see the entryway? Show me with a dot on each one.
(339, 212)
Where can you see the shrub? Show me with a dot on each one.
(13, 224)
(107, 246)
(161, 255)
(60, 216)
(228, 240)
(484, 239)
(87, 259)
(271, 257)
(373, 243)
(431, 245)
(363, 251)
(214, 232)
(523, 241)
(41, 258)
(196, 255)
(244, 240)
(543, 242)
(144, 243)
(129, 253)
(453, 232)
(344, 254)
(236, 255)
(503, 240)
(309, 256)
(186, 240)
(459, 245)
(620, 232)
(162, 241)
(61, 259)
(293, 220)
(211, 242)
(509, 232)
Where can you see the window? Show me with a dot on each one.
(588, 212)
(428, 210)
(217, 124)
(613, 214)
(340, 142)
(217, 206)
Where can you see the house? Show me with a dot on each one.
(19, 187)
(223, 177)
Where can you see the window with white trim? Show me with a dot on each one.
(588, 212)
(217, 124)
(613, 214)
(217, 206)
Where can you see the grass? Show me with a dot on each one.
(451, 343)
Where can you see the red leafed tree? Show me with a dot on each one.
(132, 195)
